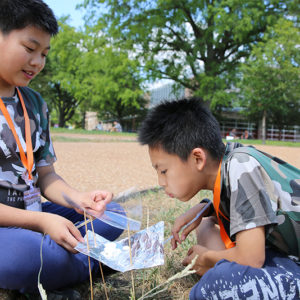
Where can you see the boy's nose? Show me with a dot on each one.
(37, 61)
(161, 181)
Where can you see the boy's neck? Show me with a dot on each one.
(7, 92)
(211, 173)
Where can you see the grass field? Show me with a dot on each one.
(112, 136)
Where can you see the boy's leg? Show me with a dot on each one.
(279, 278)
(20, 256)
(208, 234)
(20, 262)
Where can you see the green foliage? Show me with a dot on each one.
(58, 83)
(84, 72)
(271, 76)
(111, 79)
(197, 43)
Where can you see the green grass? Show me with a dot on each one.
(268, 143)
(91, 132)
(65, 139)
(115, 135)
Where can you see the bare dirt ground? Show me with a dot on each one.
(117, 164)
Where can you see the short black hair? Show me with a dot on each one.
(18, 14)
(180, 126)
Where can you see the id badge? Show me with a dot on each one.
(32, 199)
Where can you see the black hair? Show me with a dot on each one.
(17, 14)
(180, 126)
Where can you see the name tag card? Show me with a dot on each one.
(32, 199)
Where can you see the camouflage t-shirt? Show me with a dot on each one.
(260, 190)
(12, 171)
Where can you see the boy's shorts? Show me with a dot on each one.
(279, 278)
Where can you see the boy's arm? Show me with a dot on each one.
(249, 250)
(53, 187)
(61, 230)
(16, 217)
(185, 219)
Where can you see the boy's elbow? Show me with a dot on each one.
(254, 261)
(258, 263)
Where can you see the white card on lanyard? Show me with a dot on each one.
(32, 199)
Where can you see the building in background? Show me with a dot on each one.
(228, 118)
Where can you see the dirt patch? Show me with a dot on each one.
(112, 166)
(117, 166)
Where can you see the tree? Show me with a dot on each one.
(112, 80)
(270, 87)
(58, 82)
(84, 72)
(197, 43)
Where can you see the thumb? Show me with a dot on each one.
(76, 234)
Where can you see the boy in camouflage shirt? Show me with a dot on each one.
(248, 245)
(27, 158)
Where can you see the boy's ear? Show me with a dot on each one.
(200, 157)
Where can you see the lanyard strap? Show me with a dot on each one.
(217, 197)
(26, 160)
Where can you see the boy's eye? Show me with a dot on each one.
(163, 172)
(29, 49)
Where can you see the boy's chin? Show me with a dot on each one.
(183, 199)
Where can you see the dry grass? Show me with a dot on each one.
(119, 285)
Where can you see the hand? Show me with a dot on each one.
(61, 230)
(93, 202)
(201, 266)
(181, 221)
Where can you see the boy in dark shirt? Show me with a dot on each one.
(27, 157)
(244, 245)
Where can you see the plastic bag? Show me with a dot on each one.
(145, 249)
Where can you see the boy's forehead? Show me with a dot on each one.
(159, 156)
(32, 33)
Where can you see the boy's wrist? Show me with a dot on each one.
(210, 210)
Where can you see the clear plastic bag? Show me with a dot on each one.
(144, 250)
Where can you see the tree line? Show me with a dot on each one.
(227, 52)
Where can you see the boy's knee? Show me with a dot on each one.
(207, 286)
(230, 280)
(208, 234)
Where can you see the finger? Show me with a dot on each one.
(173, 244)
(69, 248)
(103, 196)
(186, 231)
(186, 261)
(190, 251)
(75, 236)
(175, 233)
(79, 211)
(96, 211)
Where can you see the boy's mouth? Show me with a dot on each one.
(29, 74)
(170, 195)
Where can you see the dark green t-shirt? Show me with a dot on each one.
(12, 171)
(261, 190)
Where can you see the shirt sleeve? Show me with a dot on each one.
(250, 203)
(45, 154)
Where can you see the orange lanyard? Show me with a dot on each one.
(26, 160)
(217, 197)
